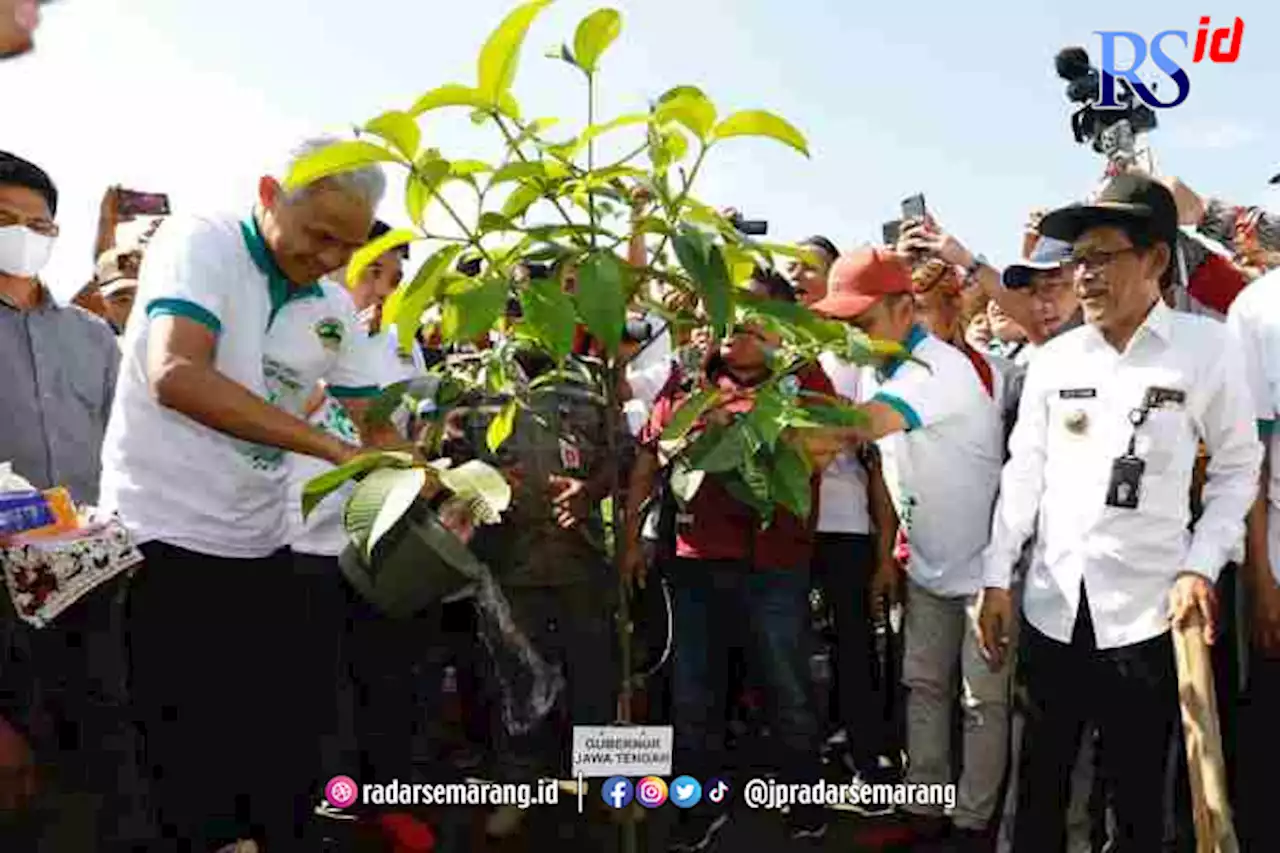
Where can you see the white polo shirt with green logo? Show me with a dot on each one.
(174, 480)
(322, 533)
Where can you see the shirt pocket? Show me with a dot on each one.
(1166, 441)
(1075, 430)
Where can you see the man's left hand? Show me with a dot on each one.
(1194, 595)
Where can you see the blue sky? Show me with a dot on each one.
(201, 98)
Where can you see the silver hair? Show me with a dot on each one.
(368, 183)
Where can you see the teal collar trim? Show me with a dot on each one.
(280, 288)
(914, 339)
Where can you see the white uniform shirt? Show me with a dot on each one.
(322, 532)
(1073, 422)
(1254, 323)
(942, 473)
(842, 507)
(176, 481)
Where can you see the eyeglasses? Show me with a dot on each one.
(44, 227)
(1098, 258)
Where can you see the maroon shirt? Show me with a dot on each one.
(716, 525)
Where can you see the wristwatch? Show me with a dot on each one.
(971, 271)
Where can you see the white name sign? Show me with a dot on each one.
(603, 751)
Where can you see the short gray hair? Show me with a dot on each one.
(368, 183)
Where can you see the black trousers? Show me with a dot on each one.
(381, 658)
(842, 566)
(64, 687)
(1258, 757)
(233, 678)
(1131, 693)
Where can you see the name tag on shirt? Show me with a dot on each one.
(1158, 398)
(1078, 393)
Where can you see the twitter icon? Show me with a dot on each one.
(685, 792)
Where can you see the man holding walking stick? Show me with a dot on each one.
(1101, 463)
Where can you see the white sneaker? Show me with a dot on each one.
(242, 846)
(504, 822)
(329, 812)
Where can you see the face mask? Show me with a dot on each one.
(23, 252)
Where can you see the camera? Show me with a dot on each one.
(749, 227)
(1093, 125)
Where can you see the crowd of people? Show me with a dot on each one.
(1067, 461)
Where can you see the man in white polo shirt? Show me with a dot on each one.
(1254, 322)
(941, 461)
(375, 654)
(235, 334)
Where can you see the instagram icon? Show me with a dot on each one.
(651, 792)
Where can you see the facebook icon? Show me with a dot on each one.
(616, 791)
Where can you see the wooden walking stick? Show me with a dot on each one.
(1212, 808)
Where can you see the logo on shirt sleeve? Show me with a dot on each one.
(329, 331)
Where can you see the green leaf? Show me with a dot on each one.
(320, 487)
(379, 501)
(500, 55)
(756, 479)
(668, 146)
(765, 417)
(717, 450)
(761, 123)
(473, 311)
(704, 263)
(601, 297)
(521, 199)
(370, 252)
(828, 412)
(594, 35)
(549, 317)
(413, 298)
(689, 107)
(689, 412)
(518, 171)
(430, 172)
(400, 129)
(502, 425)
(477, 480)
(491, 222)
(466, 170)
(791, 480)
(385, 404)
(336, 159)
(450, 95)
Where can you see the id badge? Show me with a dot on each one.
(1126, 482)
(570, 456)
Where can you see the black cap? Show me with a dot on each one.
(1126, 201)
(16, 172)
(380, 228)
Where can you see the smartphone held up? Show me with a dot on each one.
(132, 204)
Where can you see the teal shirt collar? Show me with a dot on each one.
(280, 288)
(914, 339)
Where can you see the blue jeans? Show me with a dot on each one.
(714, 601)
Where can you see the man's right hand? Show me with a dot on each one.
(995, 624)
(886, 584)
(634, 567)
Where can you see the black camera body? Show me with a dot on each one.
(750, 227)
(1090, 124)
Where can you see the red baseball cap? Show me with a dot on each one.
(860, 279)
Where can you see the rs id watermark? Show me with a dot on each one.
(769, 794)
